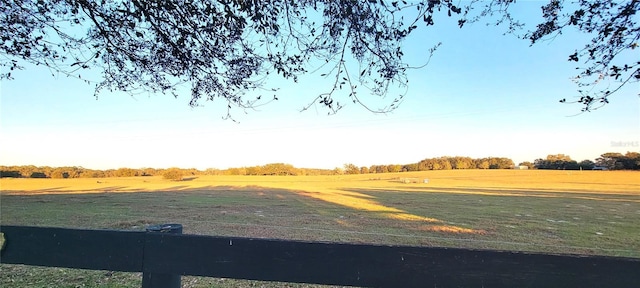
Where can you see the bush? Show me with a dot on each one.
(173, 174)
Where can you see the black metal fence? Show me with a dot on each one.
(163, 257)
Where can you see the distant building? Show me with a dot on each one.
(521, 167)
(602, 168)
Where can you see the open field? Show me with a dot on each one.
(586, 212)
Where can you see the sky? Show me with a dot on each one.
(483, 94)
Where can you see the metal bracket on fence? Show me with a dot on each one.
(162, 280)
(165, 228)
(2, 241)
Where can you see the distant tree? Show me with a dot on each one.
(222, 49)
(527, 164)
(435, 164)
(429, 164)
(571, 165)
(483, 164)
(92, 174)
(192, 171)
(394, 168)
(611, 161)
(75, 172)
(411, 167)
(311, 171)
(462, 162)
(586, 164)
(174, 174)
(109, 173)
(351, 169)
(235, 171)
(59, 173)
(557, 161)
(558, 158)
(126, 172)
(618, 161)
(46, 170)
(631, 161)
(500, 163)
(148, 171)
(27, 171)
(364, 170)
(445, 163)
(379, 169)
(279, 169)
(541, 164)
(212, 171)
(506, 163)
(253, 170)
(425, 164)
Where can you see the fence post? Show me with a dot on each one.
(162, 280)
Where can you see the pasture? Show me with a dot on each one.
(585, 212)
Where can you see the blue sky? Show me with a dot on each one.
(483, 94)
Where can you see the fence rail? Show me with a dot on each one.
(163, 254)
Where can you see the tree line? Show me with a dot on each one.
(31, 171)
(275, 169)
(439, 163)
(606, 161)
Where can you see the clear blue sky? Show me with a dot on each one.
(483, 94)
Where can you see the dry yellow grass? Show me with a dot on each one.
(598, 182)
(342, 189)
(333, 188)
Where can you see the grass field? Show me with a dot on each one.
(586, 212)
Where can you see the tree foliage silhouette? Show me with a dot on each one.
(615, 29)
(225, 49)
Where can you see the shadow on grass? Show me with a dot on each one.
(402, 215)
(61, 189)
(218, 204)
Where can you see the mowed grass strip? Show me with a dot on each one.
(586, 212)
